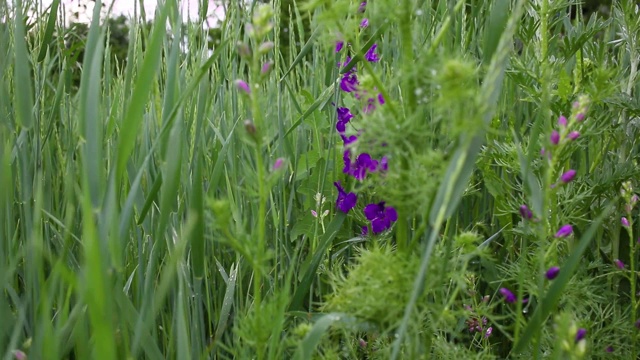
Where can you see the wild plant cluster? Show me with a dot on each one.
(408, 179)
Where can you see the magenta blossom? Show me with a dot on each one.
(619, 264)
(555, 137)
(568, 176)
(242, 85)
(573, 135)
(564, 231)
(624, 221)
(562, 121)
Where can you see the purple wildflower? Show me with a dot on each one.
(371, 55)
(579, 117)
(380, 99)
(242, 85)
(609, 349)
(573, 135)
(508, 295)
(362, 7)
(344, 116)
(564, 231)
(358, 168)
(581, 334)
(348, 140)
(555, 137)
(314, 213)
(552, 272)
(384, 164)
(568, 176)
(364, 23)
(266, 67)
(277, 165)
(365, 230)
(349, 82)
(19, 355)
(619, 264)
(562, 121)
(489, 331)
(624, 221)
(346, 201)
(339, 45)
(381, 216)
(525, 212)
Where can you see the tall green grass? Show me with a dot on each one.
(142, 216)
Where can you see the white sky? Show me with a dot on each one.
(189, 8)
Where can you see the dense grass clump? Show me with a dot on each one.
(321, 179)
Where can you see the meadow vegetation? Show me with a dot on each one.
(389, 179)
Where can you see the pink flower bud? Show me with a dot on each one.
(568, 176)
(573, 135)
(624, 221)
(242, 85)
(562, 121)
(555, 137)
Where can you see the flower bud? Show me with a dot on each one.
(266, 68)
(242, 85)
(250, 127)
(265, 47)
(243, 49)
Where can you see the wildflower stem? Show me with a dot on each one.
(256, 113)
(407, 51)
(632, 280)
(549, 200)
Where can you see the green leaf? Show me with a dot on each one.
(22, 72)
(307, 279)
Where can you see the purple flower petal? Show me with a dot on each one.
(371, 55)
(562, 121)
(525, 212)
(619, 264)
(380, 216)
(364, 23)
(349, 140)
(349, 82)
(508, 295)
(568, 176)
(564, 231)
(242, 85)
(581, 334)
(362, 7)
(573, 135)
(624, 221)
(555, 137)
(552, 272)
(339, 45)
(373, 211)
(346, 201)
